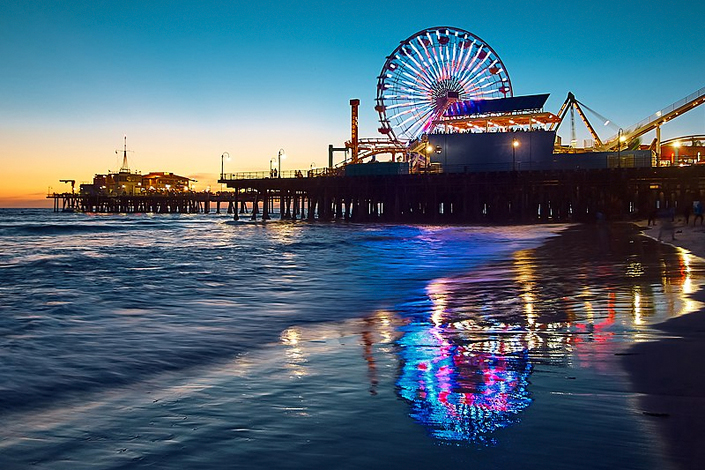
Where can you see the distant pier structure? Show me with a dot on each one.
(159, 203)
(159, 192)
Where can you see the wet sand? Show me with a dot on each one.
(670, 373)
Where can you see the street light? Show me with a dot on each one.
(621, 139)
(271, 168)
(280, 155)
(222, 167)
(429, 150)
(515, 144)
(676, 146)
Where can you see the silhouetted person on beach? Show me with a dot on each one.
(698, 212)
(666, 219)
(686, 212)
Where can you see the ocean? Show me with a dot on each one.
(196, 341)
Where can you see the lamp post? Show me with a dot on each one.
(429, 149)
(438, 149)
(280, 155)
(676, 146)
(619, 147)
(515, 144)
(222, 167)
(271, 168)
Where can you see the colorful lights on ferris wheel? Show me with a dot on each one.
(425, 69)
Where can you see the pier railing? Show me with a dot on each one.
(197, 195)
(255, 175)
(627, 159)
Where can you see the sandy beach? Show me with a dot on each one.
(670, 373)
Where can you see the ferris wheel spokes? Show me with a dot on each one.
(430, 70)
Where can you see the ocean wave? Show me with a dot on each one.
(168, 293)
(60, 229)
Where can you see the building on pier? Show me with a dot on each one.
(125, 183)
(165, 181)
(500, 134)
(509, 134)
(120, 183)
(687, 150)
(128, 183)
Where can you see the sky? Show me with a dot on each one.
(186, 81)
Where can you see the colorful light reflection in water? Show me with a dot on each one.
(467, 356)
(462, 393)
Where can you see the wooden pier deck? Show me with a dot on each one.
(492, 197)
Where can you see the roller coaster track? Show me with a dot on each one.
(657, 119)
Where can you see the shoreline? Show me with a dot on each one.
(669, 373)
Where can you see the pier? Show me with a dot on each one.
(160, 203)
(454, 198)
(491, 197)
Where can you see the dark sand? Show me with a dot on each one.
(670, 373)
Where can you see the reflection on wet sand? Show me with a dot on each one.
(368, 343)
(462, 392)
(467, 356)
(376, 333)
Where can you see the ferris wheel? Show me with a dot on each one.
(429, 71)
